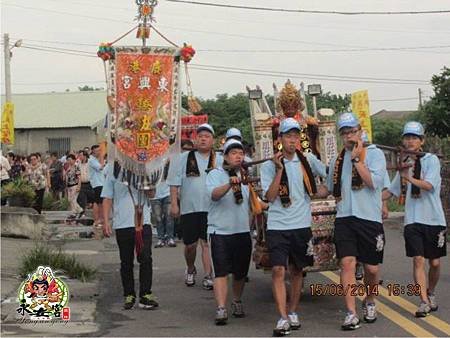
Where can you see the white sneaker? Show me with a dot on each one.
(294, 321)
(433, 303)
(208, 283)
(282, 329)
(351, 322)
(189, 279)
(369, 312)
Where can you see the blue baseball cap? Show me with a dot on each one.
(205, 127)
(347, 120)
(233, 132)
(414, 128)
(288, 124)
(232, 144)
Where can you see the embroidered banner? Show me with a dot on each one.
(144, 122)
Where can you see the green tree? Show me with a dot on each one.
(387, 131)
(436, 112)
(339, 103)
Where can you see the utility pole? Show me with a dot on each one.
(420, 98)
(7, 54)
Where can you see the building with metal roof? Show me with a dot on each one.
(47, 122)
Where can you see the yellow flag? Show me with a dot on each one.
(8, 123)
(360, 106)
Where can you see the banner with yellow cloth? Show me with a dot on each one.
(360, 106)
(8, 123)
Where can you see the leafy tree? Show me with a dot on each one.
(338, 103)
(226, 111)
(387, 131)
(436, 112)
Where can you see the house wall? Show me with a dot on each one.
(36, 140)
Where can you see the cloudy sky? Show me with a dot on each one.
(313, 48)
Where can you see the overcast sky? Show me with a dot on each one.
(298, 38)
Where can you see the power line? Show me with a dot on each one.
(316, 76)
(293, 76)
(410, 31)
(307, 11)
(319, 50)
(250, 71)
(58, 51)
(356, 48)
(399, 99)
(258, 50)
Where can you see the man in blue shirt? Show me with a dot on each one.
(288, 184)
(96, 164)
(187, 176)
(419, 184)
(229, 230)
(161, 213)
(356, 178)
(117, 196)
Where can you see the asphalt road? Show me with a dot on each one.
(190, 312)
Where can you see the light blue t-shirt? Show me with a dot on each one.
(386, 181)
(427, 209)
(364, 203)
(193, 194)
(96, 176)
(298, 214)
(162, 190)
(123, 207)
(225, 217)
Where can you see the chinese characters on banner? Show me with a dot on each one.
(189, 125)
(144, 99)
(8, 123)
(360, 106)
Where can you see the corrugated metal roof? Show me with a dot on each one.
(58, 110)
(393, 114)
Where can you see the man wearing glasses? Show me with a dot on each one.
(356, 179)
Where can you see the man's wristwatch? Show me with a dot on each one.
(355, 160)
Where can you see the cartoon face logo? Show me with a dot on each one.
(42, 295)
(380, 243)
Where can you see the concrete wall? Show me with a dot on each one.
(36, 140)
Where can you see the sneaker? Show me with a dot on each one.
(189, 279)
(423, 310)
(159, 244)
(237, 310)
(351, 322)
(294, 322)
(148, 302)
(129, 302)
(208, 283)
(171, 243)
(282, 329)
(359, 274)
(433, 303)
(369, 312)
(221, 316)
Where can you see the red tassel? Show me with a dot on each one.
(139, 241)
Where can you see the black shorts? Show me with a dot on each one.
(290, 247)
(231, 254)
(359, 238)
(97, 195)
(428, 241)
(194, 227)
